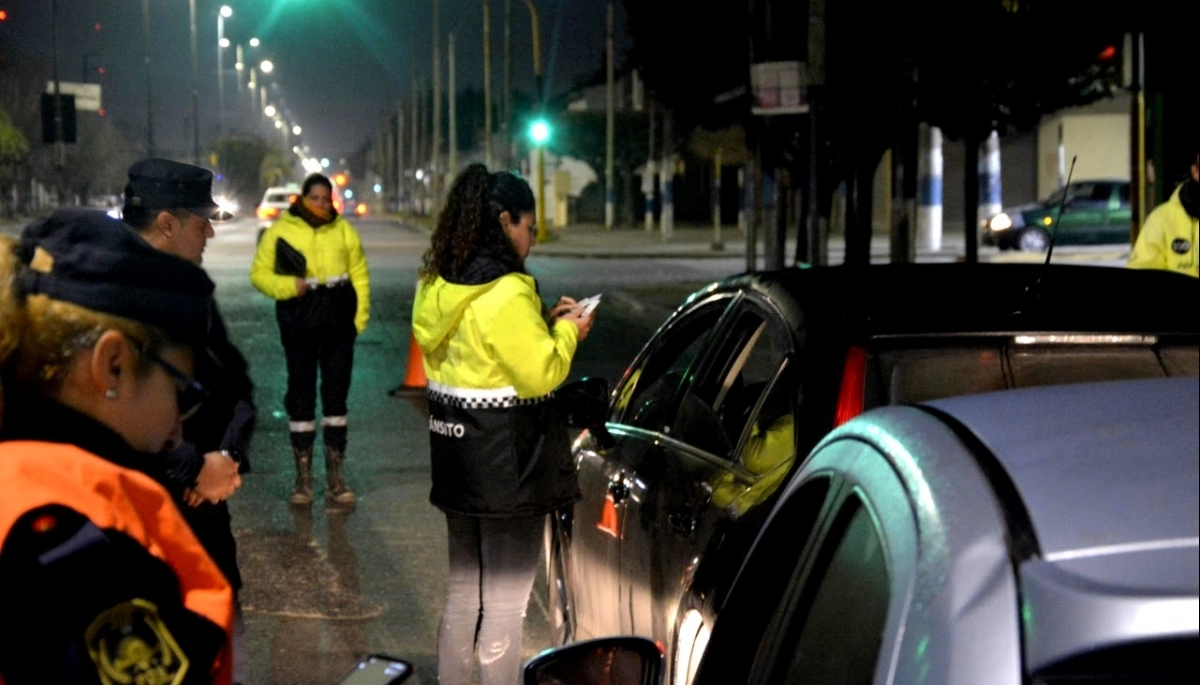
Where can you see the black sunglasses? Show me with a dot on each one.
(187, 398)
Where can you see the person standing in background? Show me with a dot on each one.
(499, 447)
(311, 262)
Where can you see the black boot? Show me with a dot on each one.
(336, 489)
(302, 449)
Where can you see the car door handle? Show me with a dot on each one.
(618, 490)
(683, 524)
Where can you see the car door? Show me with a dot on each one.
(1085, 214)
(1119, 214)
(822, 596)
(615, 476)
(715, 465)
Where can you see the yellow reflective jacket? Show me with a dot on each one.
(498, 444)
(332, 251)
(1167, 240)
(491, 336)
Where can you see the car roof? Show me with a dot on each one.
(926, 299)
(1090, 496)
(1102, 468)
(1108, 475)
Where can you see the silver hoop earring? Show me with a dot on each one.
(111, 393)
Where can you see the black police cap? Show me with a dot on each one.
(166, 184)
(85, 257)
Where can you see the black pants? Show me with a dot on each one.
(318, 335)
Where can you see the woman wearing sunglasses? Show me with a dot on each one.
(101, 579)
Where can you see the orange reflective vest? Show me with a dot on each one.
(113, 498)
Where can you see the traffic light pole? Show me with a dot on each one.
(539, 147)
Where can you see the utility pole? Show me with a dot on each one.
(195, 87)
(539, 149)
(436, 181)
(453, 94)
(60, 149)
(506, 106)
(487, 84)
(1137, 138)
(609, 129)
(649, 171)
(150, 152)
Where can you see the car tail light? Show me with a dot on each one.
(854, 378)
(268, 212)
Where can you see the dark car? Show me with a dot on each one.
(1095, 213)
(680, 469)
(1043, 535)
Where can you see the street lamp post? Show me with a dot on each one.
(222, 42)
(195, 86)
(539, 152)
(149, 98)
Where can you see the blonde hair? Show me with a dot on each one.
(39, 335)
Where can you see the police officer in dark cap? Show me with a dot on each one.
(100, 579)
(170, 204)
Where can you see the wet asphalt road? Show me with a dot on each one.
(325, 585)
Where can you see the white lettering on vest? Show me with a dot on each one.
(446, 428)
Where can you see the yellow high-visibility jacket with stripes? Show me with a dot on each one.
(498, 443)
(332, 251)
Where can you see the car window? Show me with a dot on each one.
(1085, 195)
(916, 375)
(900, 374)
(647, 394)
(718, 407)
(746, 612)
(279, 197)
(767, 448)
(1054, 365)
(1123, 194)
(834, 631)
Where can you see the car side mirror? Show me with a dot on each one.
(584, 402)
(606, 661)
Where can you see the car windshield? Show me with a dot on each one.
(279, 197)
(921, 372)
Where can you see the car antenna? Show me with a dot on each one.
(1035, 289)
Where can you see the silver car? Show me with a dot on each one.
(1041, 535)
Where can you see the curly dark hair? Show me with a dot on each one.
(470, 221)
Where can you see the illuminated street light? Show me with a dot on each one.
(296, 130)
(267, 66)
(222, 42)
(269, 110)
(254, 42)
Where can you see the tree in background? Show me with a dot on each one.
(13, 151)
(248, 165)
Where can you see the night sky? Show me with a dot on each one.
(341, 65)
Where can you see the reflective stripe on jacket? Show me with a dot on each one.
(331, 251)
(186, 621)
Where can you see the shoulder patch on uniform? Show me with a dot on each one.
(130, 644)
(1180, 246)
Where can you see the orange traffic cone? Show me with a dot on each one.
(608, 517)
(414, 381)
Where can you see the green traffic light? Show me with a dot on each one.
(539, 131)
